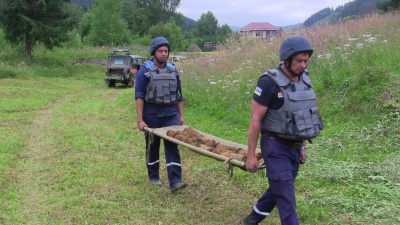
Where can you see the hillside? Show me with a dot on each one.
(355, 8)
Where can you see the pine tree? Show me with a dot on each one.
(388, 6)
(36, 21)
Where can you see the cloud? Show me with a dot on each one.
(240, 13)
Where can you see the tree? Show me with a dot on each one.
(32, 21)
(136, 17)
(107, 26)
(158, 10)
(388, 6)
(225, 30)
(207, 25)
(85, 25)
(171, 32)
(317, 17)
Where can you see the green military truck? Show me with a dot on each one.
(122, 68)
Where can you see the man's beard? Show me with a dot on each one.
(161, 61)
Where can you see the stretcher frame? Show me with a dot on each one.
(162, 133)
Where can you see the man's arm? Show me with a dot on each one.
(257, 113)
(139, 113)
(180, 111)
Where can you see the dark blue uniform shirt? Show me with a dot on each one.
(268, 93)
(151, 109)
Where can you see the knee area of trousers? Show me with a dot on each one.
(280, 183)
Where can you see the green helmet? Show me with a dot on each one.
(293, 45)
(157, 43)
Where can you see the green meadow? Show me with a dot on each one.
(71, 152)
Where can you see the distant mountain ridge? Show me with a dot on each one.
(349, 10)
(235, 28)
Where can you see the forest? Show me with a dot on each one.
(121, 23)
(350, 10)
(116, 23)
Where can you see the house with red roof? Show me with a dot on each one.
(258, 30)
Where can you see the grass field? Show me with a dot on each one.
(71, 152)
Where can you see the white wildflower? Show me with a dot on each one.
(371, 39)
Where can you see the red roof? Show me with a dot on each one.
(258, 26)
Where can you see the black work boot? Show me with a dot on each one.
(178, 186)
(249, 220)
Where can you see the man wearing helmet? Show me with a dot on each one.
(159, 103)
(284, 111)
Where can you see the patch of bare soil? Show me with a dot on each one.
(101, 62)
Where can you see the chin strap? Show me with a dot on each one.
(159, 61)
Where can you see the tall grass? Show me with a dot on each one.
(352, 62)
(71, 153)
(353, 167)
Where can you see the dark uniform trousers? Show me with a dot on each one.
(172, 156)
(282, 162)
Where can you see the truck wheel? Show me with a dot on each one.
(111, 83)
(129, 84)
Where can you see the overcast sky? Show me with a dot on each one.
(242, 12)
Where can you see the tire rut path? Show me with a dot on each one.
(34, 173)
(36, 177)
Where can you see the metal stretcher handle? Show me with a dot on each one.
(198, 150)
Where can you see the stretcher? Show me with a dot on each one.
(231, 161)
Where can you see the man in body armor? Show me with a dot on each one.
(285, 113)
(159, 103)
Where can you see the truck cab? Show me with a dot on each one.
(122, 68)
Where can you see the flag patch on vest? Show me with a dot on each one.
(280, 95)
(258, 91)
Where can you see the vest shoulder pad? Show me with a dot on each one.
(278, 76)
(150, 66)
(170, 66)
(306, 79)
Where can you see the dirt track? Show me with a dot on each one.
(101, 62)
